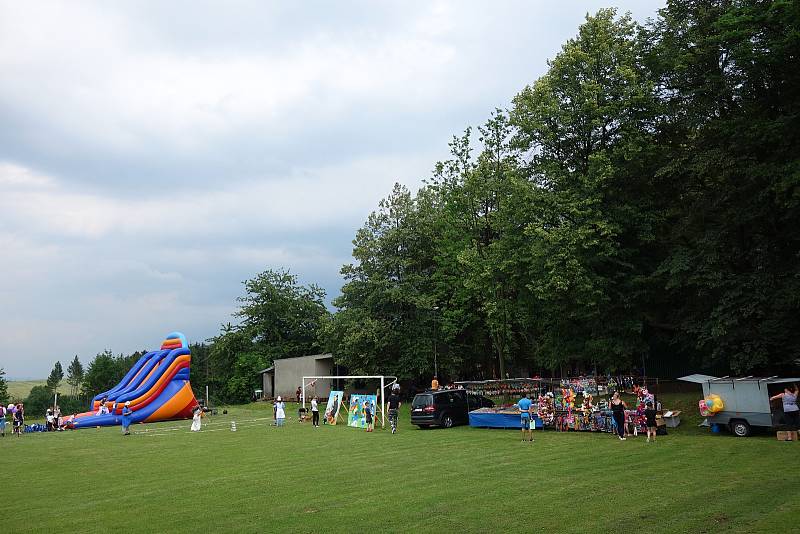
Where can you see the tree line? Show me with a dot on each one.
(636, 207)
(637, 204)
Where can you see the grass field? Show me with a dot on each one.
(19, 389)
(337, 479)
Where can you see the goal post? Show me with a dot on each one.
(382, 378)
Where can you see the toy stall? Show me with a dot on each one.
(563, 405)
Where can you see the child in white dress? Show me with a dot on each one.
(196, 419)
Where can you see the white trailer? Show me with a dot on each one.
(745, 399)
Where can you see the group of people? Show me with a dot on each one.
(17, 412)
(393, 406)
(618, 406)
(54, 421)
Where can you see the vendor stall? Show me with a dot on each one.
(565, 405)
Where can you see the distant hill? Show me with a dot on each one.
(19, 389)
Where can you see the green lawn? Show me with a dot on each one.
(337, 479)
(18, 390)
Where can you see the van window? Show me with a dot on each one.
(420, 401)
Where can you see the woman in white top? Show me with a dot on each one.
(791, 413)
(314, 412)
(280, 411)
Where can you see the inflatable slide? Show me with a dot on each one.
(157, 387)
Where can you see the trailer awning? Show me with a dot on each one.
(702, 379)
(697, 379)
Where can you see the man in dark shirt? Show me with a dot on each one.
(394, 406)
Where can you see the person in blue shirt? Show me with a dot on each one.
(525, 405)
(126, 418)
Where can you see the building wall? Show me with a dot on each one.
(267, 384)
(323, 386)
(289, 374)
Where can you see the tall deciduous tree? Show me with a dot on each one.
(385, 318)
(101, 375)
(729, 79)
(280, 318)
(586, 127)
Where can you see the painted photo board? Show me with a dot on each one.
(334, 402)
(356, 416)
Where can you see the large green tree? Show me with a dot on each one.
(279, 318)
(385, 319)
(586, 128)
(101, 375)
(729, 80)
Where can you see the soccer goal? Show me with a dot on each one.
(385, 381)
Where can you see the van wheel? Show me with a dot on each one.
(447, 421)
(740, 428)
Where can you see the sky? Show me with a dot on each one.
(154, 155)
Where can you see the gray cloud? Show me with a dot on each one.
(155, 154)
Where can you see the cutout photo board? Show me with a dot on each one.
(332, 409)
(356, 416)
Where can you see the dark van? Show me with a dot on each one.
(445, 407)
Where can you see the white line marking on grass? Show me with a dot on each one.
(226, 423)
(154, 433)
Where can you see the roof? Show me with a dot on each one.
(317, 357)
(699, 379)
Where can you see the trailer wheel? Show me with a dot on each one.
(740, 428)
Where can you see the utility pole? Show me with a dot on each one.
(435, 336)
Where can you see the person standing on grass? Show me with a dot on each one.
(394, 408)
(126, 418)
(19, 420)
(618, 413)
(791, 413)
(297, 394)
(368, 415)
(650, 417)
(280, 411)
(314, 412)
(524, 406)
(49, 419)
(2, 421)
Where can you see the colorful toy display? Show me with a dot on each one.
(711, 405)
(157, 387)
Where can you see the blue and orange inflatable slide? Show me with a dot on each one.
(157, 387)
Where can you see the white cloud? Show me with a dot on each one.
(155, 154)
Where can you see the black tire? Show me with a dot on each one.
(447, 421)
(424, 427)
(740, 429)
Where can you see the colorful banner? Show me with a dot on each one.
(334, 402)
(356, 415)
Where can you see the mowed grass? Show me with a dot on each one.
(164, 478)
(19, 390)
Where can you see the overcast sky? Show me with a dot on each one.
(153, 155)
